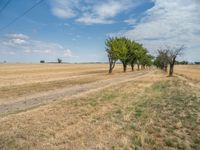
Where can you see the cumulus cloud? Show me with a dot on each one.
(23, 46)
(173, 21)
(168, 22)
(92, 12)
(64, 8)
(16, 38)
(103, 13)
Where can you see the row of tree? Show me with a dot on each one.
(128, 52)
(167, 57)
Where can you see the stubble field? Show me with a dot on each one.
(80, 106)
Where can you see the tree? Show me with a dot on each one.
(59, 60)
(122, 47)
(146, 61)
(112, 55)
(42, 61)
(140, 54)
(132, 59)
(172, 55)
(167, 57)
(117, 49)
(163, 56)
(197, 63)
(127, 51)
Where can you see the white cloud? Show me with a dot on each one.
(109, 9)
(67, 53)
(18, 41)
(89, 19)
(91, 12)
(63, 13)
(64, 8)
(17, 36)
(168, 22)
(102, 13)
(15, 44)
(130, 21)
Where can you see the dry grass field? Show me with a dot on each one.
(93, 110)
(21, 80)
(189, 71)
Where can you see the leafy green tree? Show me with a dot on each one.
(132, 47)
(111, 53)
(140, 54)
(146, 61)
(117, 49)
(159, 63)
(122, 47)
(127, 51)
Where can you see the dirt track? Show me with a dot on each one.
(24, 103)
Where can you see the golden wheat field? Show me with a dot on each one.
(189, 71)
(81, 106)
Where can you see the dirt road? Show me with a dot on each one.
(35, 100)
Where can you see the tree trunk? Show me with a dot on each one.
(171, 70)
(111, 66)
(132, 67)
(138, 65)
(124, 66)
(165, 68)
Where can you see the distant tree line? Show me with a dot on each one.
(197, 63)
(128, 52)
(182, 62)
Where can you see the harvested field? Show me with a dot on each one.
(22, 80)
(136, 110)
(189, 71)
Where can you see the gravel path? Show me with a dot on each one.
(36, 100)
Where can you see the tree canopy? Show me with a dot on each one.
(127, 52)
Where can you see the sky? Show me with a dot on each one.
(76, 30)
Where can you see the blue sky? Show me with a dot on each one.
(75, 30)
